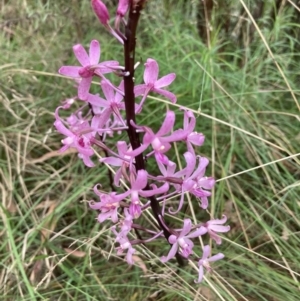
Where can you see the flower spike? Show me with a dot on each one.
(137, 148)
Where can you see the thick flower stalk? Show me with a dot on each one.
(115, 109)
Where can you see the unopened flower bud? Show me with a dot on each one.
(122, 7)
(101, 11)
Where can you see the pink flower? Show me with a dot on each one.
(159, 141)
(125, 244)
(90, 66)
(153, 84)
(126, 223)
(188, 179)
(107, 206)
(214, 226)
(112, 102)
(204, 262)
(182, 241)
(79, 136)
(136, 190)
(192, 138)
(137, 187)
(123, 161)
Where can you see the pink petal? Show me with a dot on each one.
(187, 225)
(179, 206)
(84, 87)
(206, 183)
(189, 121)
(218, 221)
(190, 163)
(151, 72)
(162, 168)
(171, 254)
(106, 67)
(97, 101)
(162, 189)
(160, 157)
(112, 161)
(206, 252)
(129, 258)
(71, 71)
(117, 177)
(149, 136)
(188, 185)
(108, 90)
(219, 229)
(95, 205)
(216, 257)
(171, 168)
(139, 90)
(103, 216)
(199, 172)
(87, 161)
(200, 231)
(122, 147)
(137, 151)
(140, 106)
(83, 151)
(118, 96)
(204, 203)
(114, 216)
(81, 55)
(177, 135)
(62, 129)
(171, 96)
(167, 125)
(98, 121)
(141, 180)
(94, 52)
(200, 275)
(165, 80)
(196, 138)
(116, 198)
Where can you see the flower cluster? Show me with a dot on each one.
(113, 110)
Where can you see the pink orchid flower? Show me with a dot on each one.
(123, 162)
(153, 84)
(192, 137)
(159, 141)
(108, 208)
(189, 179)
(79, 136)
(125, 244)
(216, 225)
(205, 260)
(182, 241)
(89, 67)
(112, 102)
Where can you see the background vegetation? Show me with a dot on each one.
(240, 74)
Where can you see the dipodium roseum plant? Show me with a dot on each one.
(133, 190)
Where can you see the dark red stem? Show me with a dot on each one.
(129, 55)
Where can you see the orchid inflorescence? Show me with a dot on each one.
(102, 116)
